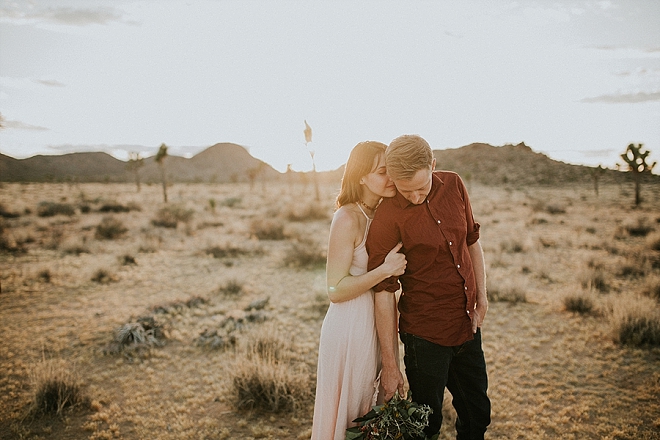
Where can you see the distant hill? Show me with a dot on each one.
(224, 162)
(228, 162)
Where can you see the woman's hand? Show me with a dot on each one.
(395, 262)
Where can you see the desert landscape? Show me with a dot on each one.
(200, 317)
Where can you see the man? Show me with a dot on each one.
(443, 291)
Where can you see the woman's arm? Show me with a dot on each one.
(341, 285)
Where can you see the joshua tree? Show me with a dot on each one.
(635, 158)
(595, 174)
(160, 159)
(135, 162)
(308, 139)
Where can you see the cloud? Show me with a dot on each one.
(624, 98)
(61, 15)
(18, 125)
(49, 82)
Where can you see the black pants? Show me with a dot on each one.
(462, 369)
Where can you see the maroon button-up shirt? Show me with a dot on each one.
(438, 287)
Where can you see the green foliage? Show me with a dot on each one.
(397, 419)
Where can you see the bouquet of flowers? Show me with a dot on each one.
(398, 419)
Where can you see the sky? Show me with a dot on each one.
(575, 80)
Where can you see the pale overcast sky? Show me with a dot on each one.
(576, 80)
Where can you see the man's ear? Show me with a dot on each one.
(433, 164)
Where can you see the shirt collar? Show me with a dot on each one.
(436, 183)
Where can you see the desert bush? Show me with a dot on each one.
(511, 294)
(511, 246)
(232, 287)
(651, 287)
(308, 212)
(194, 301)
(50, 209)
(582, 302)
(653, 241)
(75, 249)
(636, 321)
(137, 337)
(127, 260)
(103, 276)
(595, 278)
(638, 228)
(4, 213)
(555, 209)
(171, 216)
(110, 228)
(267, 229)
(55, 386)
(45, 275)
(305, 254)
(231, 202)
(114, 207)
(227, 251)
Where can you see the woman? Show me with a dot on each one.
(349, 359)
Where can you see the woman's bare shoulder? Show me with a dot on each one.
(346, 218)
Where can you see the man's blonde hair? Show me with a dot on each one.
(406, 155)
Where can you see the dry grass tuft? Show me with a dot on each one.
(635, 321)
(595, 278)
(56, 386)
(103, 276)
(232, 287)
(581, 302)
(266, 378)
(653, 241)
(638, 228)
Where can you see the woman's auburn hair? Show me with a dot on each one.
(361, 162)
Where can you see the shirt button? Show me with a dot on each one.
(468, 312)
(465, 287)
(458, 265)
(439, 222)
(450, 243)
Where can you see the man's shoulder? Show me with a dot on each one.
(446, 174)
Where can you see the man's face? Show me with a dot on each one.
(416, 189)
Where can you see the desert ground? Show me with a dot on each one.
(200, 318)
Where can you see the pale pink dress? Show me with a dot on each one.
(349, 359)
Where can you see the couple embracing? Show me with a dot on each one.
(402, 225)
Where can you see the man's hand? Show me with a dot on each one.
(391, 380)
(479, 314)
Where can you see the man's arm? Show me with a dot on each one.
(391, 378)
(479, 265)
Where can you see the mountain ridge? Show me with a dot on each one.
(229, 162)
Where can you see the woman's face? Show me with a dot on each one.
(377, 181)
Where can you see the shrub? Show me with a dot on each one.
(8, 214)
(103, 276)
(636, 321)
(267, 229)
(639, 228)
(227, 251)
(309, 212)
(114, 207)
(127, 260)
(170, 216)
(511, 246)
(507, 292)
(55, 387)
(232, 287)
(653, 241)
(110, 228)
(555, 209)
(231, 202)
(305, 254)
(45, 276)
(580, 302)
(50, 209)
(595, 278)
